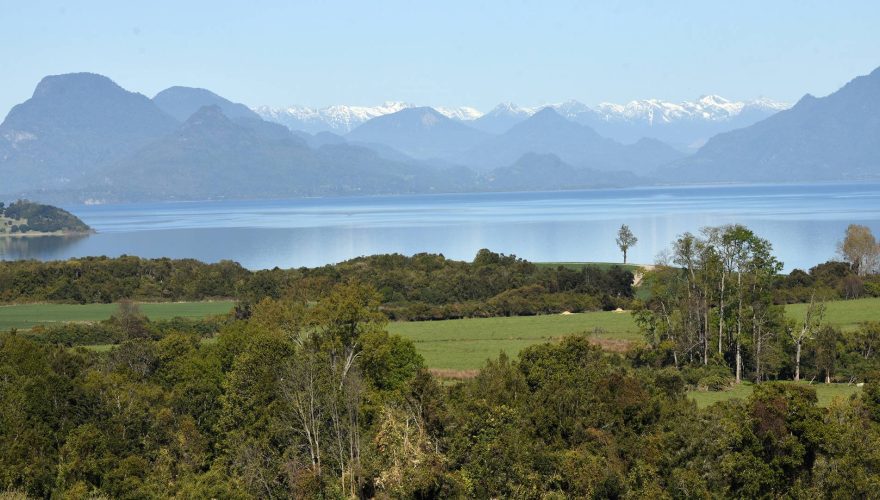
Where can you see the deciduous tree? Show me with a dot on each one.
(625, 240)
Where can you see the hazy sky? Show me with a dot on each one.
(445, 52)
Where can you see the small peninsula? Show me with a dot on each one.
(26, 218)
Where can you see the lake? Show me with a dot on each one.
(803, 222)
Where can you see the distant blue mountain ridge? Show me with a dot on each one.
(82, 137)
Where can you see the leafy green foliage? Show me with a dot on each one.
(262, 411)
(420, 287)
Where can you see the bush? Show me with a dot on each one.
(714, 383)
(72, 334)
(714, 377)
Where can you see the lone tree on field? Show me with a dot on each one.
(860, 249)
(625, 240)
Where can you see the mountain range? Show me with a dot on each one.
(687, 125)
(212, 156)
(342, 119)
(82, 137)
(832, 138)
(548, 132)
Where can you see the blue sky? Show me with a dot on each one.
(446, 52)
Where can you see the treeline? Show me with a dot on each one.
(41, 218)
(424, 286)
(713, 311)
(317, 401)
(828, 281)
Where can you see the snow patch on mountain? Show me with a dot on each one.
(343, 118)
(511, 109)
(706, 108)
(337, 118)
(463, 113)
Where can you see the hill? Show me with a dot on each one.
(211, 156)
(182, 102)
(548, 132)
(27, 218)
(537, 172)
(71, 126)
(419, 132)
(502, 118)
(833, 138)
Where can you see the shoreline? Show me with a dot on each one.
(56, 233)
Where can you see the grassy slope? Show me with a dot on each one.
(845, 314)
(27, 315)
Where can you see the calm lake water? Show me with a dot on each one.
(804, 223)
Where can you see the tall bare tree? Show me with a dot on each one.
(806, 330)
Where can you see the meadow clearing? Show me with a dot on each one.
(25, 316)
(458, 348)
(460, 344)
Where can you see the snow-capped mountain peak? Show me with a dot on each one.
(510, 109)
(570, 108)
(706, 108)
(463, 113)
(343, 118)
(710, 108)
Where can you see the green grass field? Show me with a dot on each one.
(25, 316)
(454, 344)
(824, 392)
(844, 314)
(464, 344)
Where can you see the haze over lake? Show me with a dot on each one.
(804, 223)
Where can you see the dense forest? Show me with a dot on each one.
(301, 392)
(316, 400)
(23, 216)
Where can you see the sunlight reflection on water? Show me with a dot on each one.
(803, 222)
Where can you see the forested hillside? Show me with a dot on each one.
(25, 217)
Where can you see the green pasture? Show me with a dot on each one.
(463, 344)
(844, 314)
(25, 316)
